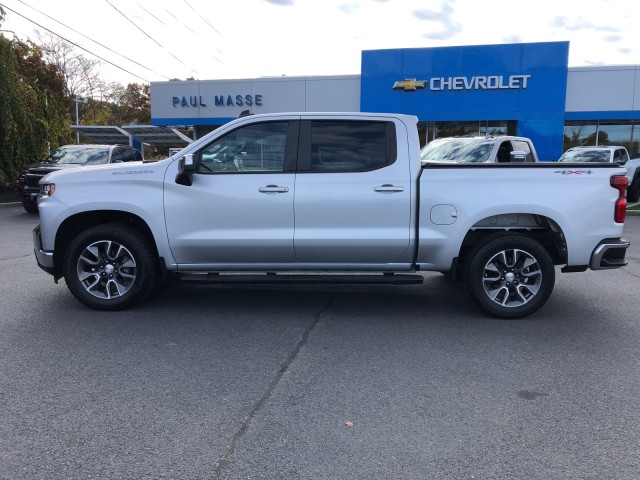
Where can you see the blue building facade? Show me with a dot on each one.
(517, 89)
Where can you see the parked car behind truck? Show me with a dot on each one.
(327, 198)
(70, 156)
(609, 154)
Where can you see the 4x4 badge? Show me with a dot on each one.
(574, 172)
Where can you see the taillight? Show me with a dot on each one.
(619, 182)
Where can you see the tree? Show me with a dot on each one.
(38, 84)
(136, 103)
(33, 116)
(120, 105)
(81, 74)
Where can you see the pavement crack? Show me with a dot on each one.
(284, 367)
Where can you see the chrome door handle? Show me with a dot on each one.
(273, 189)
(388, 188)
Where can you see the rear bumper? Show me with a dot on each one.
(43, 257)
(609, 254)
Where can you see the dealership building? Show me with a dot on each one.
(524, 89)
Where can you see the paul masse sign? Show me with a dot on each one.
(217, 100)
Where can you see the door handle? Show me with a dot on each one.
(273, 189)
(388, 188)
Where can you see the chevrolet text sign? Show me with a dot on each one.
(481, 82)
(493, 82)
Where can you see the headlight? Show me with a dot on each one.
(47, 189)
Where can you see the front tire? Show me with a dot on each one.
(110, 267)
(510, 276)
(29, 206)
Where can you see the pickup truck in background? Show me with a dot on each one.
(490, 149)
(609, 154)
(70, 156)
(340, 198)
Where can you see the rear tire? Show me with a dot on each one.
(510, 276)
(110, 267)
(633, 192)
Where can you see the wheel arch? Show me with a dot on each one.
(537, 227)
(75, 224)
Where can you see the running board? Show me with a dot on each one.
(284, 279)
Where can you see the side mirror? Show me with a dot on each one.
(186, 168)
(518, 156)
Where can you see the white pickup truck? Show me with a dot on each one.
(327, 198)
(609, 154)
(489, 149)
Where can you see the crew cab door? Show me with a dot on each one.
(239, 208)
(353, 195)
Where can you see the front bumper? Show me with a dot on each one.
(43, 257)
(29, 194)
(609, 254)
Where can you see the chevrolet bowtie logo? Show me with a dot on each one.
(409, 84)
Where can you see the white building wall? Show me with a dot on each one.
(196, 99)
(603, 89)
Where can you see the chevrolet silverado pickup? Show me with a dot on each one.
(342, 198)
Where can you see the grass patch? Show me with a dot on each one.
(634, 208)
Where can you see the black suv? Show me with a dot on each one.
(69, 156)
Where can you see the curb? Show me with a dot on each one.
(9, 204)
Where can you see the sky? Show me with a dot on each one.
(158, 40)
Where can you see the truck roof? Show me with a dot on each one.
(597, 147)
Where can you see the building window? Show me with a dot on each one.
(624, 133)
(428, 131)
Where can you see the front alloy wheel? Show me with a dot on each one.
(106, 269)
(110, 267)
(510, 276)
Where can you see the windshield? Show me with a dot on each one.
(79, 156)
(457, 150)
(586, 156)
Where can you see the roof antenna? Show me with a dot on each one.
(245, 113)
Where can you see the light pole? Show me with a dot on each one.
(79, 100)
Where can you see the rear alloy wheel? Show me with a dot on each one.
(510, 276)
(110, 267)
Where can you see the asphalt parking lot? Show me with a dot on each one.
(317, 382)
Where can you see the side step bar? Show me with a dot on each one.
(288, 279)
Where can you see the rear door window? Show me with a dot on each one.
(522, 146)
(334, 146)
(620, 156)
